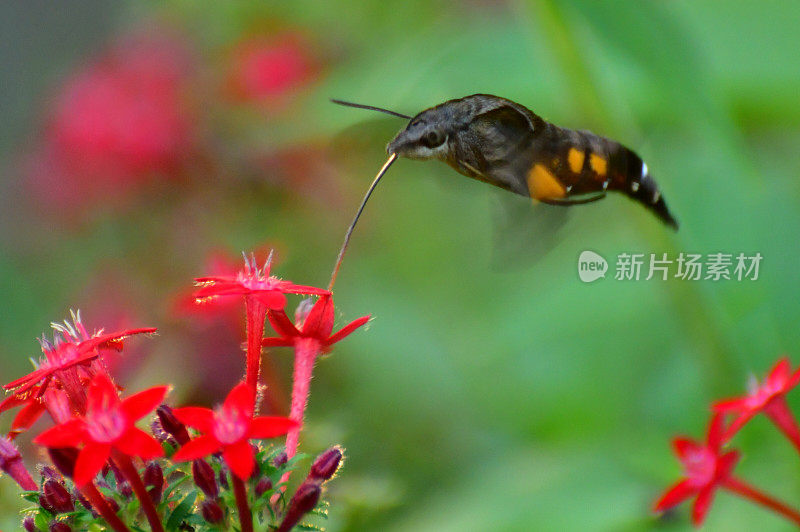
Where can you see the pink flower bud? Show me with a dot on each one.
(57, 497)
(154, 481)
(326, 464)
(263, 486)
(211, 511)
(204, 478)
(171, 425)
(28, 524)
(11, 463)
(59, 526)
(304, 500)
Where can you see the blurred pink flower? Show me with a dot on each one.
(268, 69)
(118, 121)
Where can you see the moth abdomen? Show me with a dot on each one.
(633, 178)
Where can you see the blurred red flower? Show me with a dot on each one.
(118, 121)
(768, 397)
(228, 428)
(268, 70)
(109, 425)
(705, 467)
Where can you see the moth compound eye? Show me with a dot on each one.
(432, 139)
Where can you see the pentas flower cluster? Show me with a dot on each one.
(196, 468)
(708, 465)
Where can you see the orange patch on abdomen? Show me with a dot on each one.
(575, 158)
(598, 164)
(542, 184)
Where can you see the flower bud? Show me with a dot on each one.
(64, 459)
(154, 481)
(11, 463)
(263, 486)
(49, 472)
(28, 524)
(223, 476)
(326, 464)
(85, 502)
(44, 503)
(204, 478)
(57, 497)
(124, 489)
(171, 425)
(304, 500)
(280, 460)
(113, 504)
(211, 511)
(59, 526)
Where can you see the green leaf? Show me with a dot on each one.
(181, 511)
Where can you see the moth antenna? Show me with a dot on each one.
(370, 108)
(349, 232)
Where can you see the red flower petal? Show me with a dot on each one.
(12, 401)
(779, 374)
(319, 322)
(136, 442)
(242, 398)
(347, 330)
(69, 434)
(716, 432)
(197, 448)
(30, 379)
(291, 288)
(27, 416)
(272, 299)
(674, 496)
(140, 404)
(112, 340)
(102, 394)
(196, 416)
(685, 446)
(726, 464)
(728, 406)
(702, 504)
(271, 426)
(273, 341)
(90, 461)
(282, 324)
(240, 458)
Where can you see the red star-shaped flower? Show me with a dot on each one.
(315, 324)
(706, 468)
(228, 428)
(109, 425)
(768, 397)
(72, 346)
(255, 282)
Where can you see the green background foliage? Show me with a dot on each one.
(476, 399)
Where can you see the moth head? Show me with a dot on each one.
(425, 137)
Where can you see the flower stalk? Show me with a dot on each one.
(125, 464)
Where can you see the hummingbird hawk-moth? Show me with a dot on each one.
(503, 143)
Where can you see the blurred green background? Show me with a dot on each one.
(476, 399)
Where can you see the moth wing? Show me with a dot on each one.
(524, 233)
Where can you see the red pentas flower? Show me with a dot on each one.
(261, 292)
(228, 428)
(119, 120)
(768, 397)
(67, 360)
(109, 425)
(312, 323)
(706, 467)
(269, 69)
(253, 282)
(311, 336)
